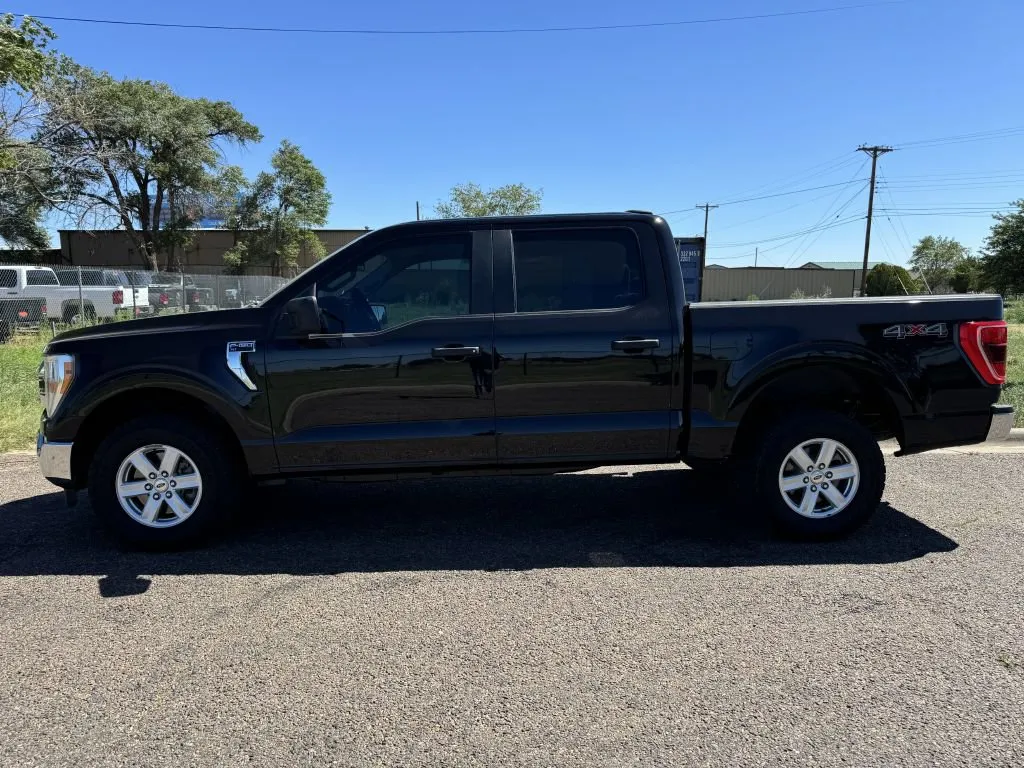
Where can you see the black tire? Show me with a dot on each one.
(72, 313)
(222, 482)
(793, 431)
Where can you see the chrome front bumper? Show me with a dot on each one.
(1001, 424)
(54, 458)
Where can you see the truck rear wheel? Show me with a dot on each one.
(162, 482)
(820, 474)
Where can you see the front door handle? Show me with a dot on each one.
(455, 352)
(635, 345)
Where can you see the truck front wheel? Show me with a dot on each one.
(820, 474)
(161, 482)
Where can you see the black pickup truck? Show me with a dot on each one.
(513, 345)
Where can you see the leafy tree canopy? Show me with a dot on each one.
(936, 258)
(135, 154)
(25, 170)
(24, 59)
(1002, 265)
(467, 200)
(275, 217)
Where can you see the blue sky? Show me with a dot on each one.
(653, 118)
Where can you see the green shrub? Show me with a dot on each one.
(889, 280)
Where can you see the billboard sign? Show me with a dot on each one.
(690, 251)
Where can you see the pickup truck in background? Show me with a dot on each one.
(168, 291)
(133, 301)
(519, 345)
(64, 300)
(16, 311)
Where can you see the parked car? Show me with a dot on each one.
(514, 345)
(65, 301)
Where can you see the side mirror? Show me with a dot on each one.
(301, 316)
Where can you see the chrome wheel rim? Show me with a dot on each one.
(819, 478)
(159, 486)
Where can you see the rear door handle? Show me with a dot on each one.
(635, 345)
(457, 352)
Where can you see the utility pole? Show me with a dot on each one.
(417, 210)
(755, 257)
(707, 208)
(875, 153)
(704, 251)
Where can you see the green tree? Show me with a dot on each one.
(23, 56)
(274, 219)
(467, 200)
(1002, 265)
(889, 280)
(26, 174)
(935, 259)
(135, 154)
(966, 275)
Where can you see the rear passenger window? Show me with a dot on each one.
(8, 278)
(575, 269)
(40, 277)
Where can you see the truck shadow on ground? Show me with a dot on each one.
(656, 518)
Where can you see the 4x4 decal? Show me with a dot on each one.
(907, 330)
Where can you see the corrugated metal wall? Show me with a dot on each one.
(741, 283)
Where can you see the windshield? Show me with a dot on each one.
(314, 266)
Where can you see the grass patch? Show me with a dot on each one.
(19, 392)
(1013, 392)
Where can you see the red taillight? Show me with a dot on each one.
(195, 297)
(163, 299)
(118, 297)
(43, 309)
(984, 343)
(22, 314)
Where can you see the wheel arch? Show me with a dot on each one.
(75, 304)
(856, 390)
(113, 410)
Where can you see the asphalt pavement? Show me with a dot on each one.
(628, 616)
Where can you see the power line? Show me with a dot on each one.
(788, 235)
(469, 31)
(775, 212)
(903, 226)
(805, 245)
(1000, 133)
(819, 225)
(767, 197)
(965, 214)
(794, 192)
(815, 171)
(963, 175)
(967, 184)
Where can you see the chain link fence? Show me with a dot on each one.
(59, 297)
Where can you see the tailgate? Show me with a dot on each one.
(22, 311)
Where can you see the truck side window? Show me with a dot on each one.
(399, 282)
(576, 269)
(40, 277)
(8, 278)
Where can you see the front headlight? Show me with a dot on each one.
(58, 373)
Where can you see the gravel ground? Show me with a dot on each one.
(625, 616)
